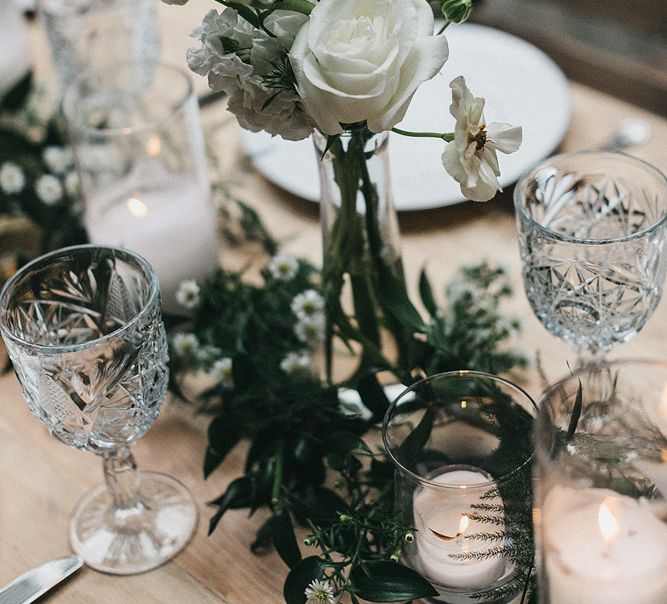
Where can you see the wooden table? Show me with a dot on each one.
(43, 479)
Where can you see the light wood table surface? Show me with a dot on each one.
(42, 479)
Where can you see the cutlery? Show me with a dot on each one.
(36, 582)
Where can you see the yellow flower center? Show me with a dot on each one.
(480, 137)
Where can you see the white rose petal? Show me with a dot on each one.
(49, 189)
(471, 157)
(12, 179)
(358, 62)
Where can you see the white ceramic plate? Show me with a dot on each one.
(521, 84)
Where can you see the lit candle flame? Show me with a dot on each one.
(463, 525)
(606, 521)
(137, 207)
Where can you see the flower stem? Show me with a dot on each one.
(278, 476)
(445, 136)
(443, 28)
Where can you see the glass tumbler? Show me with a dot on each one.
(461, 445)
(139, 150)
(90, 34)
(83, 328)
(601, 483)
(591, 233)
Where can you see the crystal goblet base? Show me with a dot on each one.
(136, 535)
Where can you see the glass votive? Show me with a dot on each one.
(139, 150)
(461, 444)
(90, 34)
(601, 479)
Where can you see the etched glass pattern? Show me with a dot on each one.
(88, 346)
(591, 234)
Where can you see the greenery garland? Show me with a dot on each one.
(307, 462)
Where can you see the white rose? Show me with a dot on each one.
(357, 60)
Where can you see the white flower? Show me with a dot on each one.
(57, 159)
(187, 294)
(49, 189)
(297, 363)
(222, 372)
(283, 267)
(307, 304)
(206, 354)
(471, 157)
(72, 184)
(185, 344)
(320, 592)
(236, 57)
(357, 61)
(310, 329)
(12, 179)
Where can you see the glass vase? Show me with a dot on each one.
(361, 245)
(461, 446)
(601, 483)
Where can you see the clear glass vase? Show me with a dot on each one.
(361, 245)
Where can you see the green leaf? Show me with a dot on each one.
(222, 438)
(426, 293)
(373, 396)
(17, 96)
(284, 539)
(319, 505)
(345, 443)
(395, 298)
(239, 494)
(298, 6)
(307, 455)
(414, 443)
(300, 577)
(576, 412)
(385, 581)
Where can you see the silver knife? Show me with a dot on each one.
(36, 582)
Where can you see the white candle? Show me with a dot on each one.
(443, 522)
(603, 548)
(14, 54)
(172, 225)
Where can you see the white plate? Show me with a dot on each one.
(521, 84)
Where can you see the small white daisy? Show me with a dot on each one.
(222, 372)
(320, 592)
(307, 304)
(185, 344)
(283, 267)
(12, 179)
(310, 329)
(72, 184)
(49, 189)
(297, 363)
(207, 354)
(187, 294)
(57, 159)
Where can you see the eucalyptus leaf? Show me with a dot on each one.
(386, 581)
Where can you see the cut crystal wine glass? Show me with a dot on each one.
(83, 328)
(591, 233)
